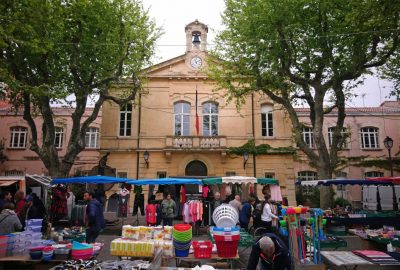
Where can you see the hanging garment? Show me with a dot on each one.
(223, 191)
(78, 215)
(123, 205)
(276, 194)
(70, 203)
(59, 207)
(205, 192)
(206, 213)
(151, 214)
(183, 194)
(138, 203)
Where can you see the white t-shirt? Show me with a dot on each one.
(267, 213)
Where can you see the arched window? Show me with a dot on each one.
(58, 137)
(125, 120)
(306, 176)
(18, 137)
(267, 124)
(210, 119)
(92, 138)
(308, 136)
(369, 138)
(182, 119)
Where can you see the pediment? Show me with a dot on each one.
(174, 67)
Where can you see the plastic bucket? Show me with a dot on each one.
(181, 253)
(182, 227)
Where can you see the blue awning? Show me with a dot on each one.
(355, 182)
(95, 179)
(165, 181)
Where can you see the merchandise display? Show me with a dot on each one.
(385, 235)
(141, 241)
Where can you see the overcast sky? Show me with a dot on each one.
(174, 15)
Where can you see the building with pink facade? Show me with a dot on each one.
(367, 127)
(15, 134)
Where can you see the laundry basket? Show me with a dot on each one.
(225, 216)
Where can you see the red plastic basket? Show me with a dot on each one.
(227, 249)
(202, 249)
(227, 238)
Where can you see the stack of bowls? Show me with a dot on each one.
(48, 253)
(182, 238)
(81, 251)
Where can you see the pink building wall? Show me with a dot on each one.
(385, 117)
(26, 161)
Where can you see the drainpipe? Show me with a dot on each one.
(138, 136)
(254, 134)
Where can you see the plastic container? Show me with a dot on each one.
(35, 229)
(3, 239)
(34, 222)
(181, 253)
(225, 216)
(202, 249)
(227, 249)
(35, 254)
(182, 227)
(226, 238)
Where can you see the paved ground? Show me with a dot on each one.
(113, 232)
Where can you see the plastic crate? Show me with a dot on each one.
(202, 249)
(227, 249)
(226, 238)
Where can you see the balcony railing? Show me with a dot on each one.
(194, 142)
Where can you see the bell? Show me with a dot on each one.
(196, 39)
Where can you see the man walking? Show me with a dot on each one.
(94, 217)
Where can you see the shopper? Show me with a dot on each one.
(267, 214)
(19, 201)
(245, 213)
(271, 252)
(94, 217)
(9, 221)
(35, 207)
(168, 207)
(236, 203)
(5, 197)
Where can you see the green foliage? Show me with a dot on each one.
(341, 202)
(305, 51)
(70, 52)
(262, 149)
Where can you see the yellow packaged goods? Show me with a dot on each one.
(167, 232)
(129, 231)
(130, 248)
(168, 250)
(158, 233)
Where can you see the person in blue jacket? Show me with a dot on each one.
(271, 252)
(245, 213)
(94, 217)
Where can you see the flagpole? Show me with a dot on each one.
(197, 115)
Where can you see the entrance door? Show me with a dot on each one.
(196, 168)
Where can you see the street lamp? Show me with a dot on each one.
(146, 156)
(245, 158)
(388, 142)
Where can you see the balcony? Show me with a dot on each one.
(194, 142)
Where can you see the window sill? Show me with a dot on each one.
(91, 149)
(16, 148)
(124, 137)
(371, 149)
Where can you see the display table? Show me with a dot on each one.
(25, 262)
(213, 257)
(348, 260)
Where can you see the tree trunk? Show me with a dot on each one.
(326, 192)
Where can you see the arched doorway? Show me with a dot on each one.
(196, 168)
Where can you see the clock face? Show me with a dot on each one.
(196, 62)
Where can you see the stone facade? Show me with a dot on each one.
(174, 147)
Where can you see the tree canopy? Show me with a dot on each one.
(305, 51)
(68, 52)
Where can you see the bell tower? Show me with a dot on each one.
(196, 37)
